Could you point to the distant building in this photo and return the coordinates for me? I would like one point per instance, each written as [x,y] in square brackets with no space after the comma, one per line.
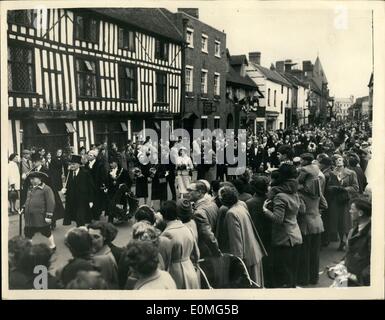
[360,109]
[242,94]
[298,113]
[320,104]
[205,72]
[275,89]
[341,107]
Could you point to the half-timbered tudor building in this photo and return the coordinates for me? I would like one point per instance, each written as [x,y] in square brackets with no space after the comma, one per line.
[83,76]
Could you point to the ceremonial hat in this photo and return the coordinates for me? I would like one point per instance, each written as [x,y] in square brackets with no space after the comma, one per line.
[75,159]
[35,157]
[37,174]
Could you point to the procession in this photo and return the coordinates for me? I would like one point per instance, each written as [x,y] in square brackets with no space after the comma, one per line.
[140,158]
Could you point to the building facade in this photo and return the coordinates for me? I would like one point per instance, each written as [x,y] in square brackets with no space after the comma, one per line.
[341,107]
[78,77]
[298,114]
[276,92]
[205,72]
[242,95]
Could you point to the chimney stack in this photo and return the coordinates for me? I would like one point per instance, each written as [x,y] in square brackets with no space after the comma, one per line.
[280,66]
[194,12]
[255,57]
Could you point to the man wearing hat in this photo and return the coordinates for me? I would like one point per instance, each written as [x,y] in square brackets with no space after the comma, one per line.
[36,166]
[39,207]
[80,194]
[99,176]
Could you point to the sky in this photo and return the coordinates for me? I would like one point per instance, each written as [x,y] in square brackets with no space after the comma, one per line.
[341,36]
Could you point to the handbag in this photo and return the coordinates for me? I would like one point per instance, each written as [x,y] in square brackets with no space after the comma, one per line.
[13,195]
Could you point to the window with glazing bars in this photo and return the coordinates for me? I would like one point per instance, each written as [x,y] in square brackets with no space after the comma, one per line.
[86,28]
[127,82]
[86,78]
[20,69]
[126,39]
[22,17]
[161,50]
[161,87]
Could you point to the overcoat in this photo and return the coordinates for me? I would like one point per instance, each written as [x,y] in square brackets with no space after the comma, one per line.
[347,189]
[80,192]
[239,237]
[181,268]
[40,200]
[357,259]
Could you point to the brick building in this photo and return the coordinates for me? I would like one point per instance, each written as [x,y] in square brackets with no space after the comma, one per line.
[205,72]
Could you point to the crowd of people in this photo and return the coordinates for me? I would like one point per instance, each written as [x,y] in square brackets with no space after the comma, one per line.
[300,189]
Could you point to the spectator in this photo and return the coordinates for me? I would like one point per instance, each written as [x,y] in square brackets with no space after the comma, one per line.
[357,259]
[88,280]
[239,236]
[310,222]
[262,223]
[13,181]
[181,269]
[30,257]
[101,236]
[79,242]
[205,216]
[142,257]
[286,234]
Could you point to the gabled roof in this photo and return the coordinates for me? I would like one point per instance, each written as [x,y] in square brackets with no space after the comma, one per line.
[294,80]
[318,71]
[153,20]
[272,75]
[234,77]
[238,60]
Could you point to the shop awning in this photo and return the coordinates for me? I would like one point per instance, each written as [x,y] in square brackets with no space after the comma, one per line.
[189,115]
[124,126]
[70,127]
[42,127]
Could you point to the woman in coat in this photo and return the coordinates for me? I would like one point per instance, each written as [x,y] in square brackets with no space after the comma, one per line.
[181,268]
[347,189]
[286,234]
[310,223]
[184,166]
[142,258]
[238,235]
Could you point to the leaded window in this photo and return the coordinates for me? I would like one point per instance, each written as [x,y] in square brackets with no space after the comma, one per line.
[127,82]
[20,69]
[86,78]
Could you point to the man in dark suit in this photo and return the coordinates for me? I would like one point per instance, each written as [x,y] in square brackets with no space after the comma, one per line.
[255,156]
[80,194]
[99,174]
